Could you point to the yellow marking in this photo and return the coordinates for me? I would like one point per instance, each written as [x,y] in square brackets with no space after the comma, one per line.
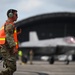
[2,28]
[15,31]
[16,43]
[2,38]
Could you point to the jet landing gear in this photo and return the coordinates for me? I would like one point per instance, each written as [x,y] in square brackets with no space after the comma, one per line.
[67,62]
[51,60]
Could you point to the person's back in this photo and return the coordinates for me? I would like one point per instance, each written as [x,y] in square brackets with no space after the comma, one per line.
[9,43]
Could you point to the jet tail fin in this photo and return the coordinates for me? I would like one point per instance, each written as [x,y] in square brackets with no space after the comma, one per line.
[33,36]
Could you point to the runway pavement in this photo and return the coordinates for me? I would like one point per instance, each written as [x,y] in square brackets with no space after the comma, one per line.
[44,68]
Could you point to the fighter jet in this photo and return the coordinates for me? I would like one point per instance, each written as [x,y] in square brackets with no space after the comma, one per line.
[50,47]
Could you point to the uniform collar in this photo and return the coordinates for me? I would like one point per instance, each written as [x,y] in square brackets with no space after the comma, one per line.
[10,20]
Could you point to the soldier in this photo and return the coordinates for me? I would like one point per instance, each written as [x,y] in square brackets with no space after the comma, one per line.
[9,43]
[31,57]
[20,57]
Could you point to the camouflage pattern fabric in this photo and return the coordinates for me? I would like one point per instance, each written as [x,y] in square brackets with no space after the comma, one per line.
[7,52]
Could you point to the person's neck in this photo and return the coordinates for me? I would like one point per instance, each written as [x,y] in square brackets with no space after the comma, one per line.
[10,20]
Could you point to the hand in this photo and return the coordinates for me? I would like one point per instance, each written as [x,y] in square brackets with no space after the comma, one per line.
[15,50]
[19,31]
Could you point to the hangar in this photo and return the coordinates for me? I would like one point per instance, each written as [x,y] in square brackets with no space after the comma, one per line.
[50,25]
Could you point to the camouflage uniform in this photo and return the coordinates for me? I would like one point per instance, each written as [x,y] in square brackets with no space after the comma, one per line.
[7,51]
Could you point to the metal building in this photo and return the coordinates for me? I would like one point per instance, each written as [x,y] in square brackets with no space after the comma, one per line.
[49,25]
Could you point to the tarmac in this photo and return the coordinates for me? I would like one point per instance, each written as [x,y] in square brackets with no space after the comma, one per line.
[44,68]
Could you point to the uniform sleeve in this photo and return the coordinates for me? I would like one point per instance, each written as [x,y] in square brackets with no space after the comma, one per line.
[9,30]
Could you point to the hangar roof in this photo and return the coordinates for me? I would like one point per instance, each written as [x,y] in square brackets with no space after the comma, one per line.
[68,16]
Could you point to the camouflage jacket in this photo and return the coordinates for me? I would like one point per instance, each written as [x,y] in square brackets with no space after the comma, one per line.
[9,30]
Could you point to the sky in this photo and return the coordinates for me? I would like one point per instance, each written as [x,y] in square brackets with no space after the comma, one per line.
[29,8]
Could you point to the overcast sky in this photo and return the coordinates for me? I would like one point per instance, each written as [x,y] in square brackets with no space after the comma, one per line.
[28,8]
